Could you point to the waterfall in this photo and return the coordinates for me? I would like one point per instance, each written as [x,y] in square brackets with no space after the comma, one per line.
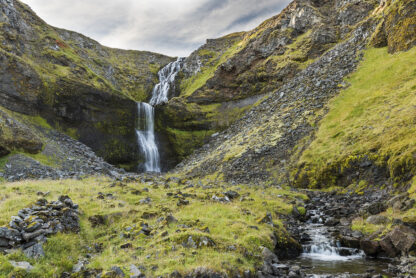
[146,137]
[167,77]
[146,112]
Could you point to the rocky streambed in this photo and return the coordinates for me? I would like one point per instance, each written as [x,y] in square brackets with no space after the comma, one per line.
[332,249]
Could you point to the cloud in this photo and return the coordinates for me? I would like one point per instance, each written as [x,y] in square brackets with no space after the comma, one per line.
[172,27]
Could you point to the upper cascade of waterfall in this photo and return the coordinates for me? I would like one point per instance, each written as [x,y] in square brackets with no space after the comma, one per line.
[167,77]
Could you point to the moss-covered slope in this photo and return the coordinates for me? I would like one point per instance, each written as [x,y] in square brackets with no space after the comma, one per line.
[227,76]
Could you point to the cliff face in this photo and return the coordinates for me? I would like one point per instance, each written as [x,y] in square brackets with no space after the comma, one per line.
[80,87]
[284,138]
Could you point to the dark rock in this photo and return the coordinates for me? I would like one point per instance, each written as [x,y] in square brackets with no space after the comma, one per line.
[117,271]
[370,247]
[388,248]
[376,208]
[403,239]
[98,220]
[232,194]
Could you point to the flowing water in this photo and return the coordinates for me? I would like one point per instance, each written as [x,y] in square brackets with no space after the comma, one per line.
[146,137]
[167,77]
[324,257]
[146,129]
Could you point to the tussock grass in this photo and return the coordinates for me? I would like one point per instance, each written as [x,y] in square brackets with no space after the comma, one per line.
[229,224]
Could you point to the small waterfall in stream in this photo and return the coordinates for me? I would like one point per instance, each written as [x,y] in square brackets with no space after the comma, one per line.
[146,129]
[321,247]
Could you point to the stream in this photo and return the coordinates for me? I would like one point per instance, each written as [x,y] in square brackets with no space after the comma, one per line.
[323,255]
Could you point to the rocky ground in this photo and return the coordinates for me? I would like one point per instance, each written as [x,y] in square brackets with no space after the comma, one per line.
[67,158]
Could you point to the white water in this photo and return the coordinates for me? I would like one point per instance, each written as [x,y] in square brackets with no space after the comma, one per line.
[146,137]
[321,247]
[146,128]
[167,77]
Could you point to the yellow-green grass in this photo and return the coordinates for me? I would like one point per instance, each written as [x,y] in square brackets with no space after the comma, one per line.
[228,224]
[375,116]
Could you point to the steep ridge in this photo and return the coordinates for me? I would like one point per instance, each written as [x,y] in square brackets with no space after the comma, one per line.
[227,76]
[80,87]
[265,145]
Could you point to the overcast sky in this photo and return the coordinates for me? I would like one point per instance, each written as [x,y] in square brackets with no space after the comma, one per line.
[172,27]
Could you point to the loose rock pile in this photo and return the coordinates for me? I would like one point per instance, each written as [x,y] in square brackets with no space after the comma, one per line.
[29,229]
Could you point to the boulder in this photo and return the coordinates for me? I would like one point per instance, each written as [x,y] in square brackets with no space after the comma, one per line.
[370,247]
[269,256]
[22,265]
[403,238]
[388,247]
[377,219]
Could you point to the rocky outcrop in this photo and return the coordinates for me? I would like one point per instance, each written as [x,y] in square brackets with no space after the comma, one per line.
[15,136]
[31,227]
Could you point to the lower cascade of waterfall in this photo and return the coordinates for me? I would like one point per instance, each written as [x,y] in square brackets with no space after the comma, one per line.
[146,137]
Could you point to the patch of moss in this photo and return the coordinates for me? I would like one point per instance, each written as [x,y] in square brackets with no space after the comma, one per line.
[184,142]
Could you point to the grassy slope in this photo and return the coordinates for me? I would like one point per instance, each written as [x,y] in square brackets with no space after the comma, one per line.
[228,225]
[375,116]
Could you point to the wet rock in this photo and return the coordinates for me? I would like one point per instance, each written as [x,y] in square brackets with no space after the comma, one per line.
[370,247]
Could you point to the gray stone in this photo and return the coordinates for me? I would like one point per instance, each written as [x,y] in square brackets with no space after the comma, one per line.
[135,272]
[35,251]
[22,265]
[269,256]
[377,219]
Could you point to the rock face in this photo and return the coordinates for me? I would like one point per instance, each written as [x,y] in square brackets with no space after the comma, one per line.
[30,228]
[80,87]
